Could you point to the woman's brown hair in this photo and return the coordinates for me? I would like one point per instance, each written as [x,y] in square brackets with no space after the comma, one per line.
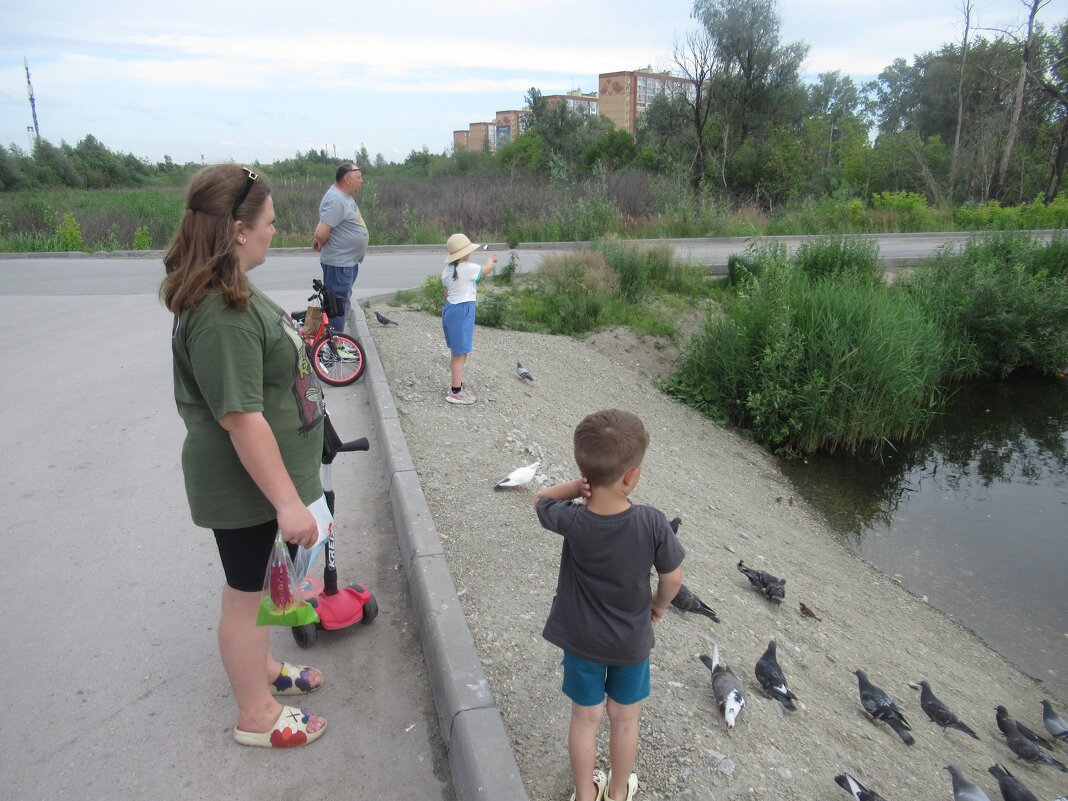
[201,258]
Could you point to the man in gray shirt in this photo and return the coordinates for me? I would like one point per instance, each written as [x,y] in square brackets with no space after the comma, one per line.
[341,236]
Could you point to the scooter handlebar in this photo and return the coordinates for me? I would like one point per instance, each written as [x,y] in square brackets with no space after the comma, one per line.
[360,444]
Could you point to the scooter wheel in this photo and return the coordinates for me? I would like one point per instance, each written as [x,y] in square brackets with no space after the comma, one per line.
[370,610]
[305,635]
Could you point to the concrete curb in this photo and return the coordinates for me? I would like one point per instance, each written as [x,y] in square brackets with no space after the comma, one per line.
[480,754]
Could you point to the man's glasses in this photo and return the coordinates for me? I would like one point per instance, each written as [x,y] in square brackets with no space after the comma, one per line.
[249,181]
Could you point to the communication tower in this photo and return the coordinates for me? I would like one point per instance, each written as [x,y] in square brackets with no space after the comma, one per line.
[33,103]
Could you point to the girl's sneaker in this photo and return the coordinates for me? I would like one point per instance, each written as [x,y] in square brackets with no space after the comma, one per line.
[467,393]
[460,397]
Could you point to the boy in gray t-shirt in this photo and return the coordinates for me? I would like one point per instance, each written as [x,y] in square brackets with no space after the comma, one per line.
[604,608]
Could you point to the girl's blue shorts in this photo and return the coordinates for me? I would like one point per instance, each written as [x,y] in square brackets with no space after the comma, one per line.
[458,322]
[587,682]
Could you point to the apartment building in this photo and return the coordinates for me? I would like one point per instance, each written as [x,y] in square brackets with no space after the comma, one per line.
[624,96]
[575,100]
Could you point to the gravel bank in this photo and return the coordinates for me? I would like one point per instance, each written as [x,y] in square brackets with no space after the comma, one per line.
[735,505]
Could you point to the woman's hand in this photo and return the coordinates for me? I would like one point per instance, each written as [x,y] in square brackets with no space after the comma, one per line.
[298,525]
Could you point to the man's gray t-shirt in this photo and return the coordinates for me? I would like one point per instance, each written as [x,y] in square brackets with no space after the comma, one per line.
[347,244]
[601,611]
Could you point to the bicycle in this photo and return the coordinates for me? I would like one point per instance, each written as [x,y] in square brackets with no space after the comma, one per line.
[337,358]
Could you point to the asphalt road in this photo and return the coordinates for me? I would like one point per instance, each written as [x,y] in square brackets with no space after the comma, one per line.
[385,269]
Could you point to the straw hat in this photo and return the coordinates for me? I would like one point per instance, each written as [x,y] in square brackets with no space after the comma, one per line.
[460,246]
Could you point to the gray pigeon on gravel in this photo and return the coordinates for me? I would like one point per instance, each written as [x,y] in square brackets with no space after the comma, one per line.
[939,712]
[725,688]
[1055,724]
[774,589]
[523,372]
[686,601]
[856,789]
[1027,750]
[1003,718]
[964,790]
[772,681]
[880,706]
[1012,789]
[383,319]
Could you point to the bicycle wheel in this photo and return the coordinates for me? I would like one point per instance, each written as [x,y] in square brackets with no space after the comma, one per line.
[338,360]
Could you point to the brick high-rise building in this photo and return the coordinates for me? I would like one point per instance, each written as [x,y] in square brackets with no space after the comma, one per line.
[624,96]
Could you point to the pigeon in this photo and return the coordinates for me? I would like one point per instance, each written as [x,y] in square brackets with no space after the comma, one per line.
[1055,724]
[686,601]
[519,477]
[1027,750]
[383,319]
[765,583]
[856,789]
[1003,718]
[675,523]
[523,372]
[1012,789]
[771,679]
[879,706]
[964,790]
[940,713]
[806,612]
[725,688]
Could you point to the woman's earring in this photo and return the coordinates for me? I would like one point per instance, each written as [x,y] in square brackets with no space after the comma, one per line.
[241,240]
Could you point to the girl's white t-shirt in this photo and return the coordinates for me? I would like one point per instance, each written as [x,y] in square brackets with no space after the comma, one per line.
[464,288]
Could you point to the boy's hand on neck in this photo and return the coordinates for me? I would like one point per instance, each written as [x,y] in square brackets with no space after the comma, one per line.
[612,499]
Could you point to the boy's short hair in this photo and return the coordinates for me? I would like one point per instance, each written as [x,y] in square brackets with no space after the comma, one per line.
[607,444]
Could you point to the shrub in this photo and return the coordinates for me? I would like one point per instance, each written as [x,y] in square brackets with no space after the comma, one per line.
[490,309]
[850,256]
[141,239]
[1000,305]
[431,296]
[816,365]
[69,234]
[508,271]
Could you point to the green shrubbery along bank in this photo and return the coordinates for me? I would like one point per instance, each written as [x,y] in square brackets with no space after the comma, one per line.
[812,354]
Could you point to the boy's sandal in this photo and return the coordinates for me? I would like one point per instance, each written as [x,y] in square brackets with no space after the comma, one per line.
[632,787]
[289,731]
[601,781]
[295,680]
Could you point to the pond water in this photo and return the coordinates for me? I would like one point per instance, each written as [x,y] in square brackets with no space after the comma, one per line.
[974,517]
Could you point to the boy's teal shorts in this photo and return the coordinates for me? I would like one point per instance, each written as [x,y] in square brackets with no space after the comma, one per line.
[587,682]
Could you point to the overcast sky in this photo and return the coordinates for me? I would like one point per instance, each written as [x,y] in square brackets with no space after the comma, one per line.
[246,81]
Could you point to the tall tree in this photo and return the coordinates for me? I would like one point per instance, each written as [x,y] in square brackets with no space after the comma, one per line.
[1028,51]
[695,56]
[760,71]
[1051,74]
[832,99]
[966,9]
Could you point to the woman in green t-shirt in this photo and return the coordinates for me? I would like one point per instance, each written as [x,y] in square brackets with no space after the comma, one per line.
[253,413]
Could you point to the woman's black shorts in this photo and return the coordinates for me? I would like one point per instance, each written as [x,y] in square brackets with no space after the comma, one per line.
[245,553]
